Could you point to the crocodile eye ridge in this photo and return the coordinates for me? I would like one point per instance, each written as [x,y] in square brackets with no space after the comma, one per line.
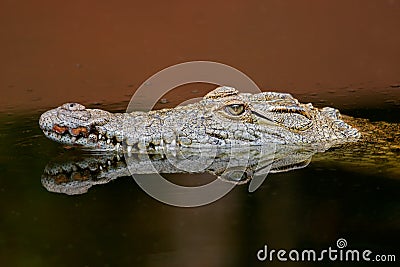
[235,109]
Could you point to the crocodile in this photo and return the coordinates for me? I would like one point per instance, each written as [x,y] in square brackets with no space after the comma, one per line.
[75,173]
[224,117]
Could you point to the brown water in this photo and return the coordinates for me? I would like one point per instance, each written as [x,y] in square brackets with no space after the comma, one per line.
[343,54]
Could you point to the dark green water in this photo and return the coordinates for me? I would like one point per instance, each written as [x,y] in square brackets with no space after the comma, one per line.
[118,224]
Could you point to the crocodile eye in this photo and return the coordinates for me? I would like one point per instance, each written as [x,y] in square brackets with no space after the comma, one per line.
[235,109]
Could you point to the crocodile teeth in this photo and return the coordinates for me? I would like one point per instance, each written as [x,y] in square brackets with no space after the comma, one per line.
[173,152]
[93,138]
[119,137]
[100,136]
[173,143]
[129,149]
[141,146]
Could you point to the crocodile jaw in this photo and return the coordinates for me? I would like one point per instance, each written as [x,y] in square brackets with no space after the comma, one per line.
[73,124]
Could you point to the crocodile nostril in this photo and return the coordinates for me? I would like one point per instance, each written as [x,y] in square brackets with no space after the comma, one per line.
[73,106]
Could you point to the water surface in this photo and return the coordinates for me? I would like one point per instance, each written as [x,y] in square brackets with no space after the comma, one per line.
[117,223]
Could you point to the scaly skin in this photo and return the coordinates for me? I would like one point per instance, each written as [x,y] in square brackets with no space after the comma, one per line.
[75,173]
[224,117]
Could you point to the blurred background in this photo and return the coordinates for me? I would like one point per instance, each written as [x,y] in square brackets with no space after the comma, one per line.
[343,52]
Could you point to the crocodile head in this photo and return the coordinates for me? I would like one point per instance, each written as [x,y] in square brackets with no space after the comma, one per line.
[72,124]
[223,117]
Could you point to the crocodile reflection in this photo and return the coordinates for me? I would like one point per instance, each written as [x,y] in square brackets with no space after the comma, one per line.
[75,172]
